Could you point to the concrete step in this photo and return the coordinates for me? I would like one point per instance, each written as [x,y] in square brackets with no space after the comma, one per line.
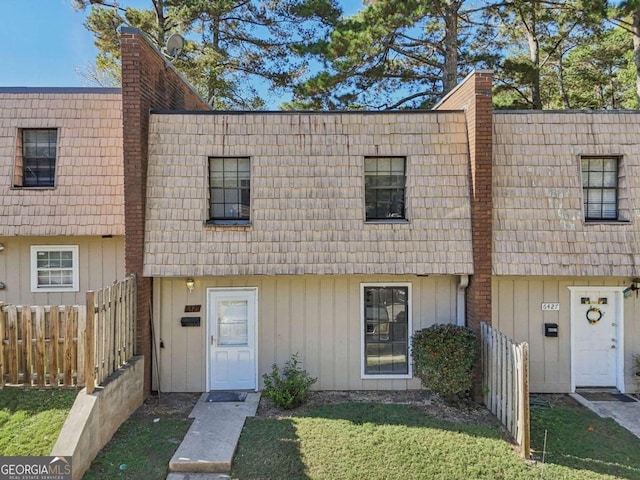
[211,441]
[197,476]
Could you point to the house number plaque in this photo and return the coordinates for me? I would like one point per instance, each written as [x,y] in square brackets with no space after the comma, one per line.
[550,306]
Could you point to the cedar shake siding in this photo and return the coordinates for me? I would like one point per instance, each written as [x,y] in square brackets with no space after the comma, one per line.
[87,197]
[539,219]
[307,211]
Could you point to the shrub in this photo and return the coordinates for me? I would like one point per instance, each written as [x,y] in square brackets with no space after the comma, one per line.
[289,389]
[443,358]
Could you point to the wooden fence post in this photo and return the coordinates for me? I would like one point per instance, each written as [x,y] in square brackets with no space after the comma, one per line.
[14,357]
[3,365]
[27,345]
[526,434]
[40,346]
[89,347]
[54,355]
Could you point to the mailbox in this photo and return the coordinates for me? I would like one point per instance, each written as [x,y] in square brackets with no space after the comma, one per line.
[190,321]
[550,329]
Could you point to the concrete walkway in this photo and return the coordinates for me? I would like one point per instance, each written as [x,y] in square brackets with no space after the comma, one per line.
[626,414]
[207,449]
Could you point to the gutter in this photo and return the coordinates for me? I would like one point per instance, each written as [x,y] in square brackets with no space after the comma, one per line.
[461,306]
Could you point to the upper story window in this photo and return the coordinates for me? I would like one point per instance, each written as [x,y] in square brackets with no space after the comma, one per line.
[384,183]
[36,157]
[600,188]
[54,268]
[229,190]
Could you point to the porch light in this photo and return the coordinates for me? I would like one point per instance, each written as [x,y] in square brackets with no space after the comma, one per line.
[190,284]
[633,288]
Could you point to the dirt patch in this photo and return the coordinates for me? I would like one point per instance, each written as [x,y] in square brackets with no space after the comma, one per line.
[550,400]
[429,403]
[177,405]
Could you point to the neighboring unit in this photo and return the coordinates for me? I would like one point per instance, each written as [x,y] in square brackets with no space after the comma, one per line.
[567,244]
[62,208]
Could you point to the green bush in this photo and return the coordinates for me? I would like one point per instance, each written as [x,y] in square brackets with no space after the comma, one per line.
[443,358]
[289,389]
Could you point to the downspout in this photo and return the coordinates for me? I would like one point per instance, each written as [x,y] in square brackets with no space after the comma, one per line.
[461,307]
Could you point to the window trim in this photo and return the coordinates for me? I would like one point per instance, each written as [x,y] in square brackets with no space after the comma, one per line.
[18,163]
[35,249]
[405,216]
[228,221]
[386,376]
[618,187]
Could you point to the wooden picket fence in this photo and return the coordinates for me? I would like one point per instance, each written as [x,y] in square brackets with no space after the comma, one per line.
[39,345]
[111,337]
[62,346]
[505,383]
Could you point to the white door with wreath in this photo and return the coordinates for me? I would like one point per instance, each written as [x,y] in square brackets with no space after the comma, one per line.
[596,326]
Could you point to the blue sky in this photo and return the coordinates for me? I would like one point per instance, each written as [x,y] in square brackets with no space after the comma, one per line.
[43,42]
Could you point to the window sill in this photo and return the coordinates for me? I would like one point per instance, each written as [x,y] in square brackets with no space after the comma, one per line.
[388,376]
[56,289]
[401,221]
[18,187]
[227,223]
[607,222]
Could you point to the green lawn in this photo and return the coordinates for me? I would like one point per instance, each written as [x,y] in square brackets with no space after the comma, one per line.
[378,441]
[141,448]
[31,420]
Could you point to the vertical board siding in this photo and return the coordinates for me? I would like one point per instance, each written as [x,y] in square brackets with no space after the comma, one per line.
[317,317]
[101,262]
[517,308]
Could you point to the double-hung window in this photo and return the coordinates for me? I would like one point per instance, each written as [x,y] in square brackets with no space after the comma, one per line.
[36,157]
[229,190]
[54,268]
[386,323]
[384,183]
[600,188]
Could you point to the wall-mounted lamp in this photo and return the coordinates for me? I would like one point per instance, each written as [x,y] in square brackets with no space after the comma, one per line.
[1,247]
[633,288]
[190,284]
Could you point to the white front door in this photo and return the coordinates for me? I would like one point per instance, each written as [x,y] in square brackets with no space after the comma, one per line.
[596,343]
[232,338]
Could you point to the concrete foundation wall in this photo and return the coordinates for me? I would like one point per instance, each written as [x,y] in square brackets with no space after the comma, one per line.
[95,418]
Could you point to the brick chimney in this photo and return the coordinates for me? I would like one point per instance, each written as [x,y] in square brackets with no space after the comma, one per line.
[148,82]
[473,95]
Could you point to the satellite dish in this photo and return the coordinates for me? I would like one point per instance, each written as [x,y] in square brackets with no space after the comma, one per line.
[174,46]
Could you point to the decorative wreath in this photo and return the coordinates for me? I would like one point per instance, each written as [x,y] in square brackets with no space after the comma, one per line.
[594,315]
